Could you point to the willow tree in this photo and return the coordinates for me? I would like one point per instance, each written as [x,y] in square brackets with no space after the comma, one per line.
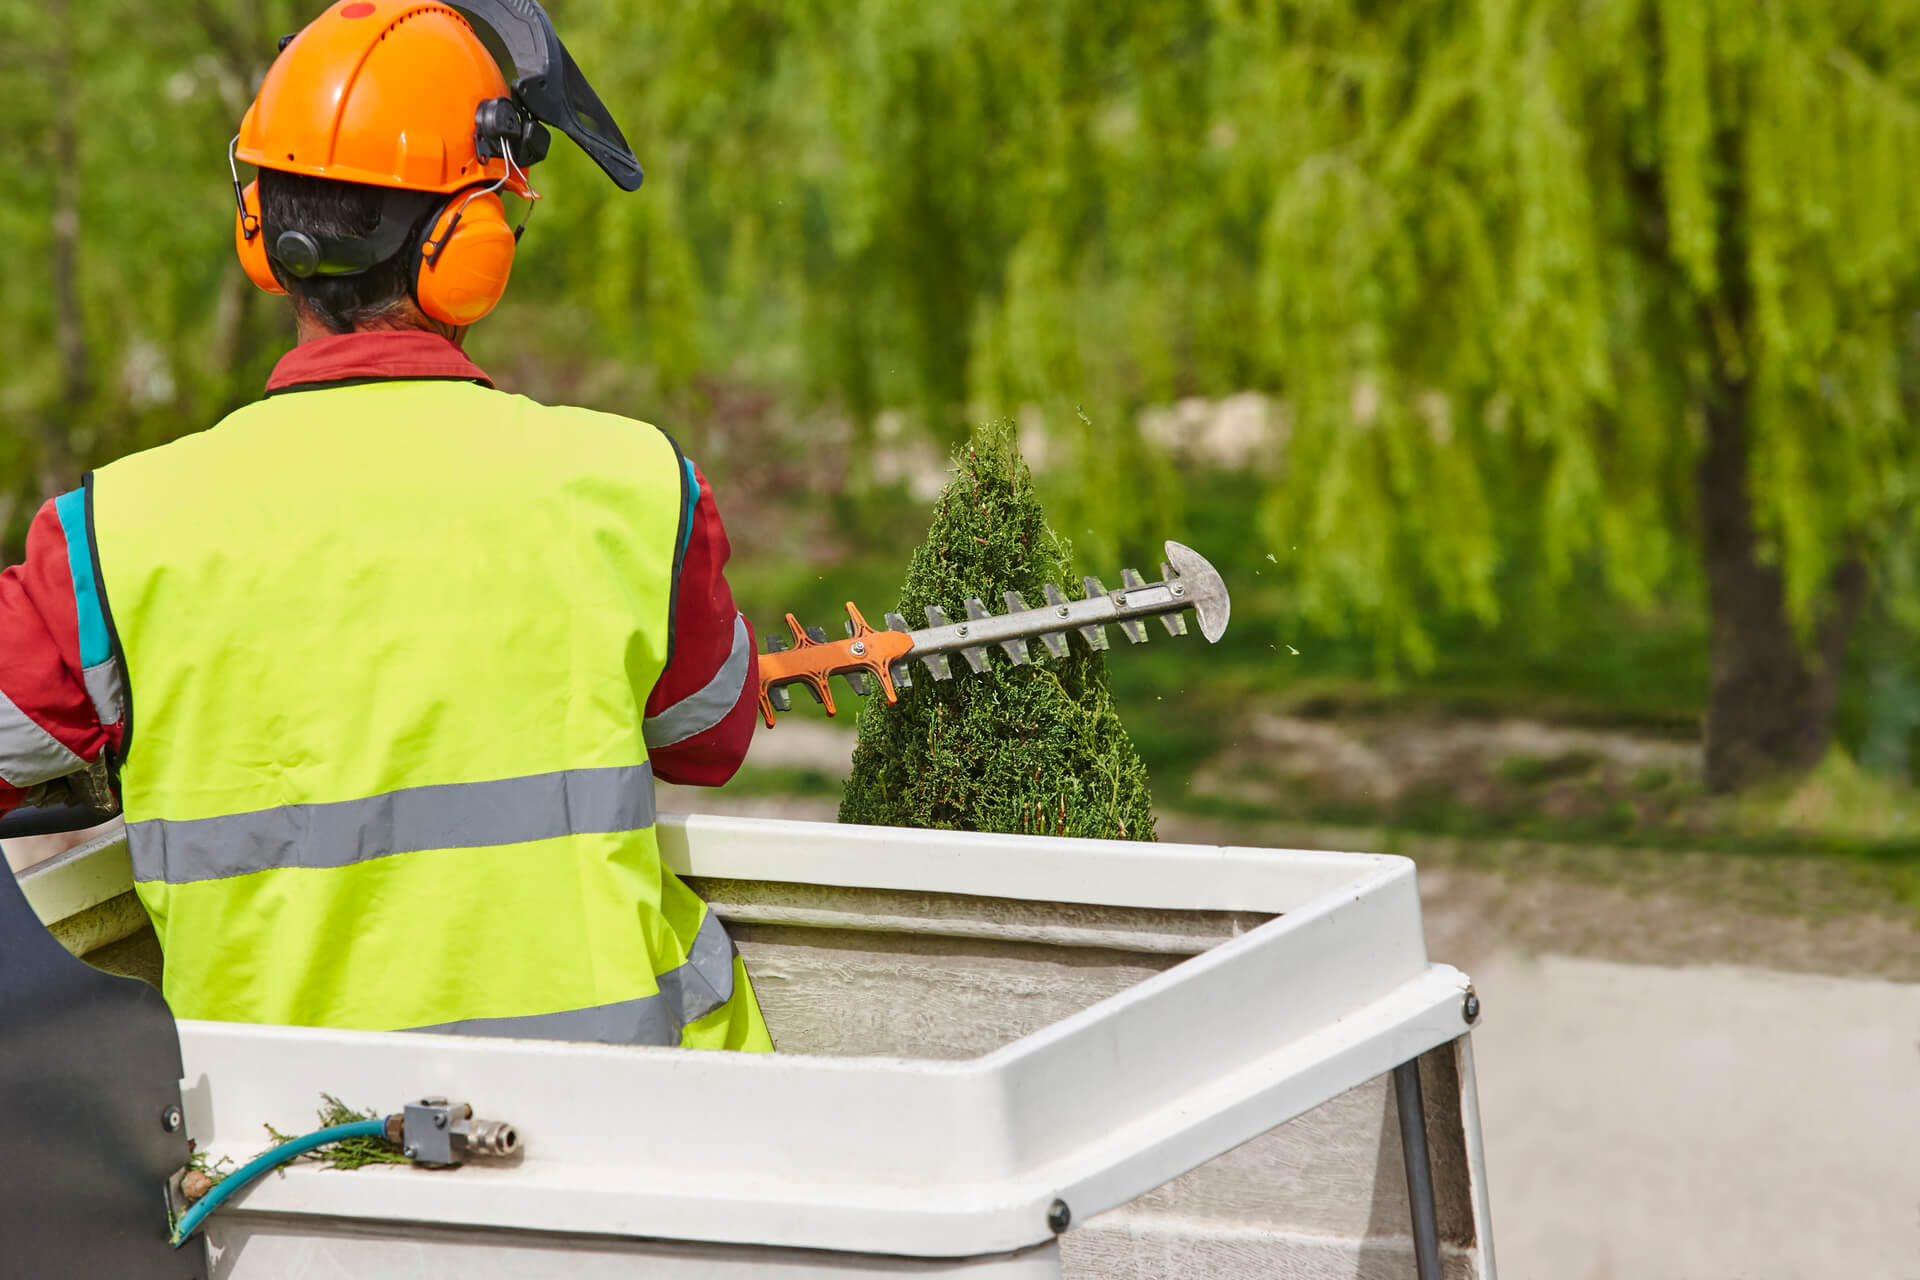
[1649,264]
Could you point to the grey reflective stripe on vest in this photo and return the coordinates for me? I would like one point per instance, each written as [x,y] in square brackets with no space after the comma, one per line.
[687,994]
[700,711]
[29,755]
[108,689]
[459,815]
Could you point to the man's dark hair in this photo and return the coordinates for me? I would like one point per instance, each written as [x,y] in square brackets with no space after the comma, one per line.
[340,210]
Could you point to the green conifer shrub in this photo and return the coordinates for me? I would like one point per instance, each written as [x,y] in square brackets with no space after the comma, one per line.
[1036,749]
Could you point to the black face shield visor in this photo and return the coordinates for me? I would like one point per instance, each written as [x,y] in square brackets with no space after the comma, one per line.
[547,83]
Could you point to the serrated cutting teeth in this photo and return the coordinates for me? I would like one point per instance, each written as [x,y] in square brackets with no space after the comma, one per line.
[902,672]
[1176,623]
[936,663]
[1016,650]
[1055,641]
[1094,634]
[1134,631]
[976,656]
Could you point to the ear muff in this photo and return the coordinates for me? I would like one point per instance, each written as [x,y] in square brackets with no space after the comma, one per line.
[250,240]
[465,259]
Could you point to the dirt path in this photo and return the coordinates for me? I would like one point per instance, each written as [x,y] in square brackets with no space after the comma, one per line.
[1802,914]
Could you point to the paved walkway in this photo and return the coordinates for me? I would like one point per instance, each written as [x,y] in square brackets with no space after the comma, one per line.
[1653,1123]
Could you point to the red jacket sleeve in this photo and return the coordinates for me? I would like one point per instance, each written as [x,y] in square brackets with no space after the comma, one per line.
[48,725]
[700,713]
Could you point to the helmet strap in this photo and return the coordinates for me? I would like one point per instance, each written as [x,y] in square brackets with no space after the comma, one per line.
[249,224]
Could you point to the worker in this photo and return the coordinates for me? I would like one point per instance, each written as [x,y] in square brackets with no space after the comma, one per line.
[382,667]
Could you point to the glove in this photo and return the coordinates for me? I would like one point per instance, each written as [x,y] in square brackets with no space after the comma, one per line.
[91,788]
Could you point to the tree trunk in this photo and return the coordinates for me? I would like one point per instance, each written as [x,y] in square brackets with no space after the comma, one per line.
[1770,703]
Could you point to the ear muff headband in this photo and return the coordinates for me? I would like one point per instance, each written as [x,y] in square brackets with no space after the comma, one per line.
[303,255]
[250,239]
[465,258]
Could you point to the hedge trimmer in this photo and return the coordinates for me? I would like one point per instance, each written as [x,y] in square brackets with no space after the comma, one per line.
[1187,581]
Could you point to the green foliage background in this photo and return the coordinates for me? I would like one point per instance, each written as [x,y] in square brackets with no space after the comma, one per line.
[1490,258]
[1038,748]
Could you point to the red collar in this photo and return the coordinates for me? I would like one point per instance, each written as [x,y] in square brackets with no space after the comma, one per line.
[374,356]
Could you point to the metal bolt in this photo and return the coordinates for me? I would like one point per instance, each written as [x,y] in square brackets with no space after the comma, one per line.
[170,1120]
[859,647]
[411,1153]
[1470,1007]
[1177,589]
[1062,611]
[961,630]
[1059,1217]
[439,1119]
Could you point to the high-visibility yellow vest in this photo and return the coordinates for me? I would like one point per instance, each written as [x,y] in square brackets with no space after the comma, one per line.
[388,649]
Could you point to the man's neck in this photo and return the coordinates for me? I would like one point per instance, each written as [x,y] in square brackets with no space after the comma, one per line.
[308,328]
[373,357]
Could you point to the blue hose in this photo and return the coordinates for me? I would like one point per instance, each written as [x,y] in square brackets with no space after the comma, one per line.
[190,1220]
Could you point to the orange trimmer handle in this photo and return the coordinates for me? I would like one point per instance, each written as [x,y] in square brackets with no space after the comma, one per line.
[811,661]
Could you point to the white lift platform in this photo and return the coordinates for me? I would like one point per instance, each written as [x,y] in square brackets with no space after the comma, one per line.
[1001,1056]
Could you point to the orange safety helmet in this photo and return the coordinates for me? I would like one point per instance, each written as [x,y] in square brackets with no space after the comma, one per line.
[382,92]
[400,94]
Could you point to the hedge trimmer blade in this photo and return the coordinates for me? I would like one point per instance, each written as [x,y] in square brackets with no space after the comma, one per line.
[1187,581]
